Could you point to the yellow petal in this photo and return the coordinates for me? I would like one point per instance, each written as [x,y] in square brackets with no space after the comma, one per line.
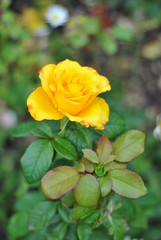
[66,65]
[66,105]
[84,100]
[46,75]
[96,115]
[41,107]
[104,84]
[96,83]
[64,71]
[99,84]
[104,113]
[90,70]
[90,116]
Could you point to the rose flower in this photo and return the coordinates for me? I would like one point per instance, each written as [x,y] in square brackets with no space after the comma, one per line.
[70,90]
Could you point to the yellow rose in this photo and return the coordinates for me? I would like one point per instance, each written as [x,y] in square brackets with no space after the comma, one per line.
[71,90]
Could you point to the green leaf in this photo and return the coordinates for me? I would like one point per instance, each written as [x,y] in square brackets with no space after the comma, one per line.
[41,215]
[114,127]
[129,146]
[127,183]
[17,226]
[84,133]
[65,148]
[84,230]
[80,212]
[98,235]
[114,165]
[71,233]
[59,181]
[40,235]
[78,139]
[116,226]
[93,217]
[90,155]
[128,209]
[59,231]
[122,33]
[89,166]
[56,219]
[78,39]
[40,129]
[91,24]
[37,160]
[87,191]
[55,125]
[105,185]
[108,44]
[108,159]
[65,214]
[80,167]
[27,201]
[104,148]
[120,227]
[68,199]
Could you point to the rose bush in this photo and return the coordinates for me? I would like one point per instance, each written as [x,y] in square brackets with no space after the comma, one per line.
[70,90]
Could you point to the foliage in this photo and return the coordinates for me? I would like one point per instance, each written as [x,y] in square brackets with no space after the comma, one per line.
[91,180]
[87,31]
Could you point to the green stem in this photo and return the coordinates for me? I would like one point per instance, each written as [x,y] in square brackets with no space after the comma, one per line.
[63,124]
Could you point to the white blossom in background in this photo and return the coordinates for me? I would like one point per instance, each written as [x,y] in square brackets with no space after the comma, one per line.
[127,238]
[56,15]
[157,130]
[8,119]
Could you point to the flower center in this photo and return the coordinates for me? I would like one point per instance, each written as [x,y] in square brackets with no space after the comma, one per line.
[74,86]
[55,17]
[75,90]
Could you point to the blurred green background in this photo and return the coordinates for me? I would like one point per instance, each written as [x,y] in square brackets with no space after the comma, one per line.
[121,39]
